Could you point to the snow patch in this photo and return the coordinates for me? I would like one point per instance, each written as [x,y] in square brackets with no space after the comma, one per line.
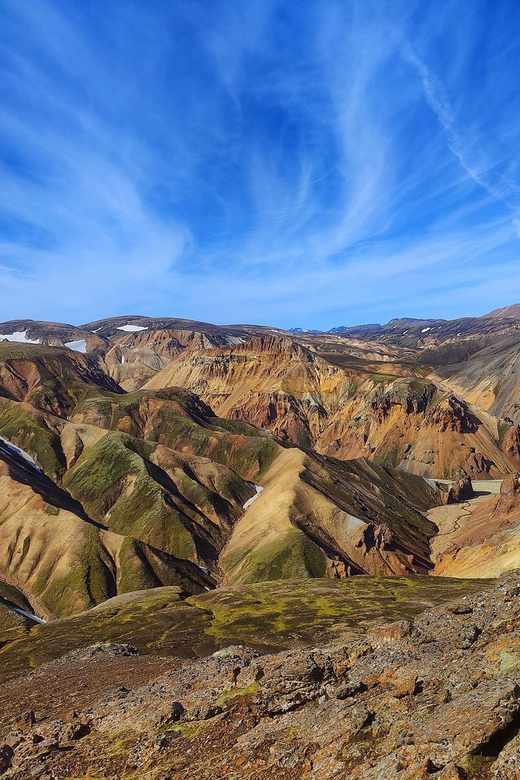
[312,401]
[253,498]
[19,336]
[77,346]
[28,615]
[235,340]
[425,330]
[21,453]
[353,523]
[203,568]
[131,328]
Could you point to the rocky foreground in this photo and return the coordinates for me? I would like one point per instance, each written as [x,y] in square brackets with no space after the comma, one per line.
[435,698]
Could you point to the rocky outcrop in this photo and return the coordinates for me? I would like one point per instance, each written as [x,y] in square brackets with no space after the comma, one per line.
[349,394]
[290,419]
[460,491]
[414,397]
[489,379]
[509,500]
[511,444]
[452,415]
[345,411]
[478,466]
[480,536]
[270,381]
[146,488]
[438,697]
[379,537]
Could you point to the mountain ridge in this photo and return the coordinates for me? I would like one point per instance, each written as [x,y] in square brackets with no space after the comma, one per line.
[172,489]
[190,438]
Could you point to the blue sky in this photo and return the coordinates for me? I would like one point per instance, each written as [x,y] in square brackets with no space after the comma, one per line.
[311,163]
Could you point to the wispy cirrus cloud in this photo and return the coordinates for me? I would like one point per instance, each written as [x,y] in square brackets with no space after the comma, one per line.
[461,142]
[316,164]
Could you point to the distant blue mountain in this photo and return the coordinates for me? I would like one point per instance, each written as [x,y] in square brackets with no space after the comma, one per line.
[304,330]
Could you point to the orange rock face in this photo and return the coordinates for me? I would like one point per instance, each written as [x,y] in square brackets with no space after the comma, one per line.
[345,411]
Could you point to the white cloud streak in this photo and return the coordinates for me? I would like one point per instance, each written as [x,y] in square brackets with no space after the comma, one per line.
[294,166]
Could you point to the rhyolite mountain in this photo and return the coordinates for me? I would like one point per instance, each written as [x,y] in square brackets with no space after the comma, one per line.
[407,395]
[186,509]
[110,492]
[171,452]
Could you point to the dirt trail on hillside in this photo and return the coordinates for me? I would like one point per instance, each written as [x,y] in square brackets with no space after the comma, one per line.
[451,520]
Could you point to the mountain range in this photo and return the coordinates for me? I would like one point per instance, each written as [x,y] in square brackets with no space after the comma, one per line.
[236,482]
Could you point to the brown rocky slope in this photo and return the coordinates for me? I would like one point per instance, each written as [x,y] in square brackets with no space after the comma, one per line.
[345,411]
[341,393]
[481,537]
[438,697]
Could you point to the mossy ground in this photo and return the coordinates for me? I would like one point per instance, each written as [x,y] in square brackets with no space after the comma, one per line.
[155,621]
[268,615]
[180,421]
[299,612]
[373,491]
[379,379]
[9,618]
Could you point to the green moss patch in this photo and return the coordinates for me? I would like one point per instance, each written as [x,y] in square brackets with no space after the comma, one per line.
[29,430]
[294,556]
[317,611]
[268,615]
